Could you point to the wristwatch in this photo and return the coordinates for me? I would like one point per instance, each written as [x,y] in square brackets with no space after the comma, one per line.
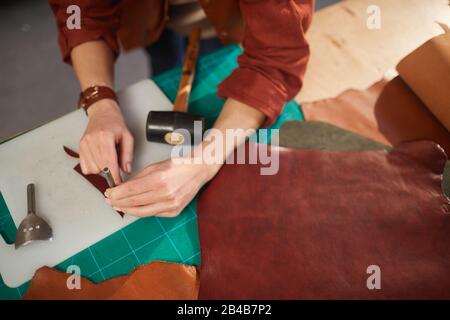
[93,94]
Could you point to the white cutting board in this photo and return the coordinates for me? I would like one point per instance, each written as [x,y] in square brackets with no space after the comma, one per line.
[76,211]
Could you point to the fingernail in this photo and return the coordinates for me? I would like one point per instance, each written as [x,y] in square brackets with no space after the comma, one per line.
[128,167]
[117,209]
[107,192]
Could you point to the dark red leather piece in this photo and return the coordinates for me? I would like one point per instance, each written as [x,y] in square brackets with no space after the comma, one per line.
[312,230]
[95,179]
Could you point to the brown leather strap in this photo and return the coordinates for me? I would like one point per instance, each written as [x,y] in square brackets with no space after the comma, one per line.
[189,66]
[93,94]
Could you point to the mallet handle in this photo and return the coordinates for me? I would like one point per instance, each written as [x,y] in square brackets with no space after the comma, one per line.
[187,76]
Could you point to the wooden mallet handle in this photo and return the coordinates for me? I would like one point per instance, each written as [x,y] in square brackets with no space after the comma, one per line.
[187,76]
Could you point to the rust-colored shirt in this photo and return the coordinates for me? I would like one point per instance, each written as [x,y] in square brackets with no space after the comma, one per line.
[272,32]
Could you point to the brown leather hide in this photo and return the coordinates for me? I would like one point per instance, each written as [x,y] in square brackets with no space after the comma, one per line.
[313,230]
[388,112]
[156,280]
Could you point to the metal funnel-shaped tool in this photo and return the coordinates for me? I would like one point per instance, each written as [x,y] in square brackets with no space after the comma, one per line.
[33,227]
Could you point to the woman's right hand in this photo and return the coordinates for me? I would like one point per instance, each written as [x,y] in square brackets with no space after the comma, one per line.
[105,136]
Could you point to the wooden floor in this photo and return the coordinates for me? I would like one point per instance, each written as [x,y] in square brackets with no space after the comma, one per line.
[346,54]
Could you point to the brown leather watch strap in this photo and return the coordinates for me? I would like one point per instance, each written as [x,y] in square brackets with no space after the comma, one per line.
[94,94]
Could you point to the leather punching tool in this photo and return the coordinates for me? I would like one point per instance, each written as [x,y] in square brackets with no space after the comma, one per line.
[164,126]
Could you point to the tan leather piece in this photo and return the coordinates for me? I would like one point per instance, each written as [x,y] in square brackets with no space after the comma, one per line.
[153,281]
[51,284]
[426,70]
[322,220]
[387,112]
[162,281]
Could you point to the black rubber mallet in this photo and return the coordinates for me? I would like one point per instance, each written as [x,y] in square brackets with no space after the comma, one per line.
[162,125]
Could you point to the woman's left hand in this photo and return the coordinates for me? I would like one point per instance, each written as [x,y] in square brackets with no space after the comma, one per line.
[162,189]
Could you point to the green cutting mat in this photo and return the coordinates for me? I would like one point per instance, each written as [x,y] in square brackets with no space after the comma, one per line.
[149,239]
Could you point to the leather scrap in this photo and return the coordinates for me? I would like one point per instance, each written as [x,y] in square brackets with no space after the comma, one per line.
[324,136]
[388,112]
[95,179]
[153,281]
[320,135]
[161,281]
[51,284]
[322,221]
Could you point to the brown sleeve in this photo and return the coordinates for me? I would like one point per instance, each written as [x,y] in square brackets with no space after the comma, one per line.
[99,20]
[275,54]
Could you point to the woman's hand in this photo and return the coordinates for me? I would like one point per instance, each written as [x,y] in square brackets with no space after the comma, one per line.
[106,130]
[162,189]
